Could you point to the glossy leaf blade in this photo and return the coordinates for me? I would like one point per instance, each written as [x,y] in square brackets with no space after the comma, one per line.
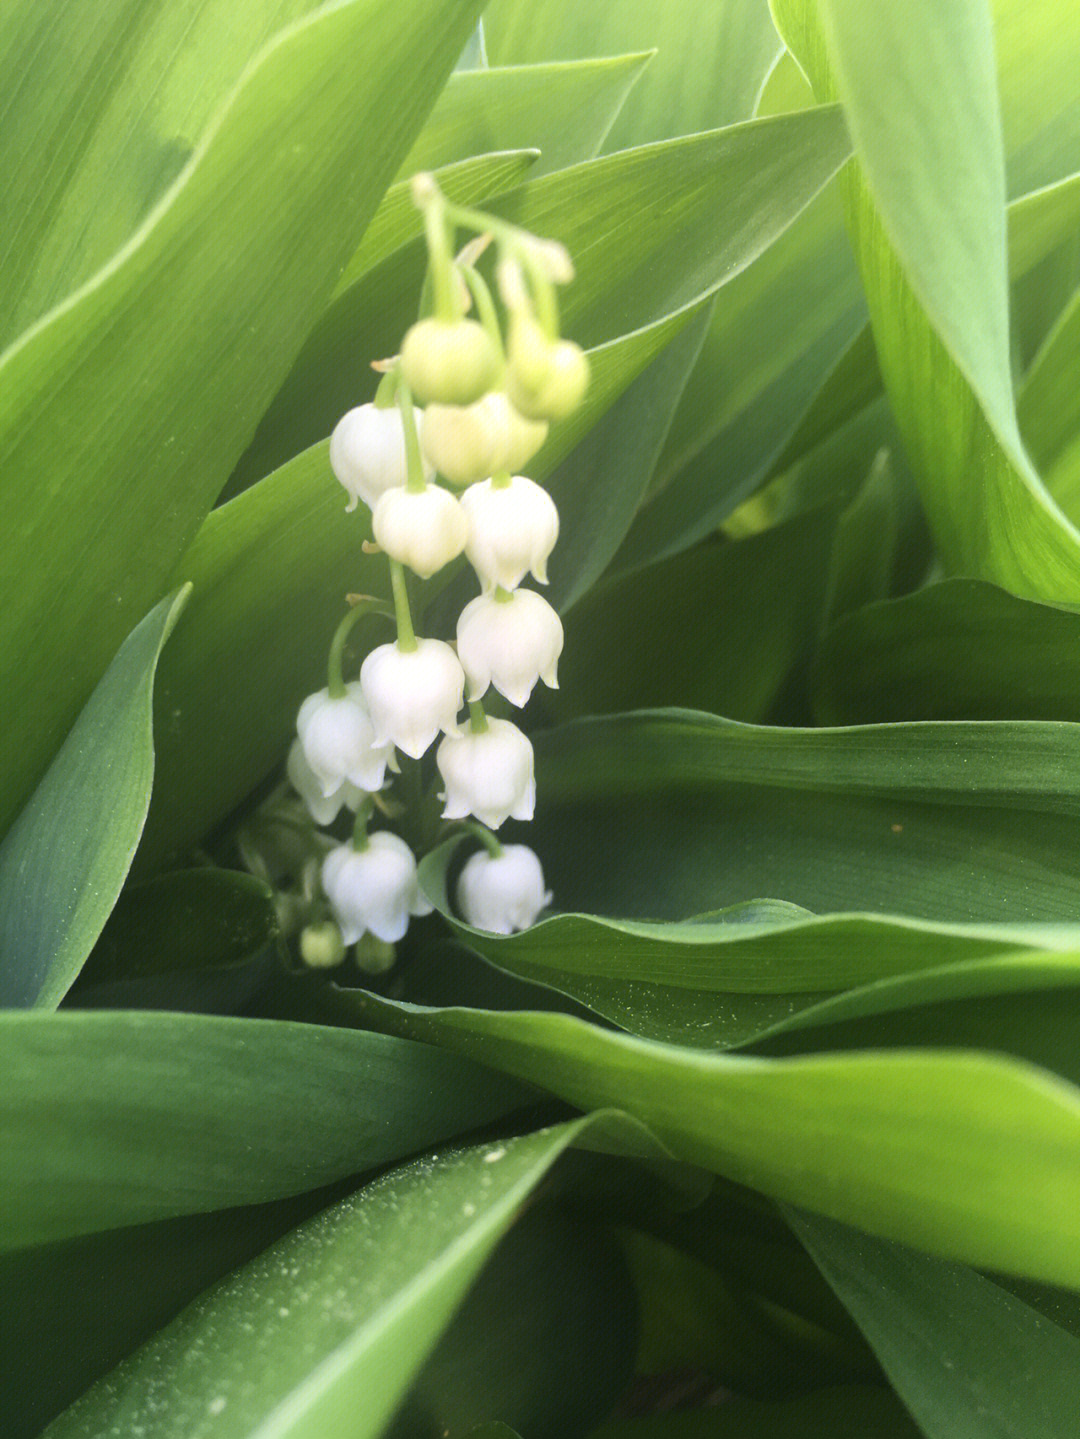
[148,381]
[111,1119]
[64,861]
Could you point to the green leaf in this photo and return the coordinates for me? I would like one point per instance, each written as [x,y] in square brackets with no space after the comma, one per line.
[321,1335]
[710,63]
[851,1412]
[861,1137]
[189,919]
[118,108]
[1050,411]
[926,211]
[772,963]
[668,813]
[970,1360]
[63,862]
[148,380]
[961,649]
[564,109]
[112,1119]
[276,561]
[773,586]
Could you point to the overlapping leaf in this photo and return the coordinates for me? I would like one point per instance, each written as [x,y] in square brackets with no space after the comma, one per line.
[125,408]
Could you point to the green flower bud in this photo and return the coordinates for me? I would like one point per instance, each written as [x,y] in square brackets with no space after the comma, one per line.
[546,379]
[321,946]
[373,955]
[449,362]
[472,442]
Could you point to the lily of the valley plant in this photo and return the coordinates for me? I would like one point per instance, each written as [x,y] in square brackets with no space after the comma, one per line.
[540,659]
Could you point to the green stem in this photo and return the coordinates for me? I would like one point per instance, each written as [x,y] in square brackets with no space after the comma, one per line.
[386,394]
[363,815]
[485,308]
[501,481]
[441,251]
[414,476]
[503,597]
[335,682]
[482,833]
[406,637]
[547,306]
[477,717]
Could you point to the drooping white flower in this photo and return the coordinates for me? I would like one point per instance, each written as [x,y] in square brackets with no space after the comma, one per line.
[375,889]
[472,442]
[509,643]
[424,529]
[413,694]
[512,529]
[323,808]
[339,741]
[502,893]
[488,773]
[367,452]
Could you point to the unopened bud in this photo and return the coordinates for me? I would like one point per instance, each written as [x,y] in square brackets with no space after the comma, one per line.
[321,946]
[449,362]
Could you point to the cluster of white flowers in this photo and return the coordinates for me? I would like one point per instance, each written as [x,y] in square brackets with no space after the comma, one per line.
[457,408]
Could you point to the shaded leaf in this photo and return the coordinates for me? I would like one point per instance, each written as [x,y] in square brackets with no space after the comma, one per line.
[64,861]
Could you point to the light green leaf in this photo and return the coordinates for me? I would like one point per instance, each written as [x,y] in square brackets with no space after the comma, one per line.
[668,813]
[1050,410]
[926,210]
[116,107]
[564,109]
[969,1359]
[321,1335]
[111,1119]
[958,650]
[148,381]
[861,1137]
[63,862]
[709,66]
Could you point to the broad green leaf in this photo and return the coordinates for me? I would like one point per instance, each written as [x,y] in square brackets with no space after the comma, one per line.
[969,1359]
[149,379]
[709,66]
[73,1310]
[64,861]
[961,649]
[761,968]
[866,543]
[189,919]
[851,1412]
[118,108]
[861,1137]
[1050,411]
[564,109]
[321,1335]
[664,814]
[276,561]
[111,1119]
[773,588]
[926,210]
[757,177]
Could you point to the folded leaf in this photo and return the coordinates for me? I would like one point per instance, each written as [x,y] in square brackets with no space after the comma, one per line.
[64,861]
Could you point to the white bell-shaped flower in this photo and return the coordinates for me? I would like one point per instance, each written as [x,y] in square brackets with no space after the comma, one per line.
[509,642]
[424,529]
[488,773]
[413,694]
[373,890]
[339,741]
[502,893]
[323,808]
[472,442]
[367,452]
[512,529]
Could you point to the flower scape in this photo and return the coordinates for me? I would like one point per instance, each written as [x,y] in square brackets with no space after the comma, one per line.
[437,457]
